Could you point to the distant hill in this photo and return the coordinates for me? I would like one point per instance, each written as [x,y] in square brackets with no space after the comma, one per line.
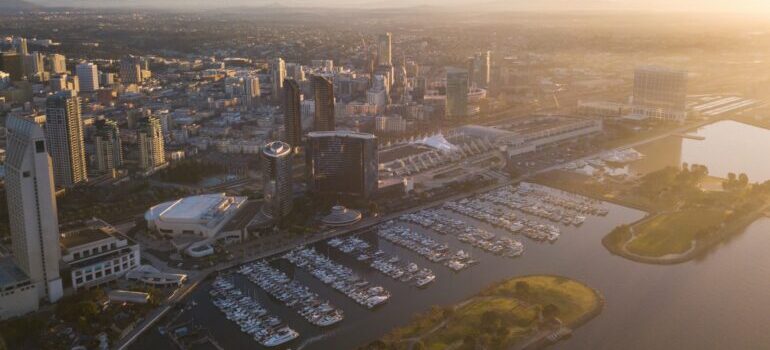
[16,5]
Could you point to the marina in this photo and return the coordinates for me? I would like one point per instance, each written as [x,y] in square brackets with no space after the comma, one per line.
[390,266]
[477,237]
[292,294]
[249,315]
[341,278]
[427,247]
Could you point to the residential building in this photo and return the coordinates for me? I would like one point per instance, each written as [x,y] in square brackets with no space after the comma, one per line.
[64,133]
[107,145]
[88,75]
[149,135]
[131,70]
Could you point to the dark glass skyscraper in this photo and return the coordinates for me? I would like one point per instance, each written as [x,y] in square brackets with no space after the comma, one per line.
[342,163]
[292,116]
[324,104]
[456,93]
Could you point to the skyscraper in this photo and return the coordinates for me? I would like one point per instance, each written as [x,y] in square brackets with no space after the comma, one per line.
[342,163]
[277,179]
[88,75]
[64,134]
[131,70]
[34,65]
[660,92]
[279,74]
[456,92]
[481,69]
[324,104]
[292,113]
[107,145]
[32,207]
[22,47]
[57,63]
[384,50]
[251,90]
[149,135]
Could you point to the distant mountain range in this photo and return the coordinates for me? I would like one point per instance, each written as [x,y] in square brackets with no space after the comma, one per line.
[16,5]
[493,5]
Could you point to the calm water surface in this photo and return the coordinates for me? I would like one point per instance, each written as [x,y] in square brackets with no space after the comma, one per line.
[729,146]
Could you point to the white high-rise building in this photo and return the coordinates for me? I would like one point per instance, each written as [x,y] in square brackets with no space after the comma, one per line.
[32,206]
[88,75]
[64,134]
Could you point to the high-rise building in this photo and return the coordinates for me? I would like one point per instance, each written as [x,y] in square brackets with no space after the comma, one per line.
[131,70]
[660,92]
[323,90]
[57,64]
[251,90]
[88,75]
[22,47]
[32,207]
[295,71]
[279,74]
[292,113]
[64,134]
[34,65]
[479,69]
[342,163]
[456,92]
[277,179]
[151,148]
[107,145]
[13,64]
[384,49]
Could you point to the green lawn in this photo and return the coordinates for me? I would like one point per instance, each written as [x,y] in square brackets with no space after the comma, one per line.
[673,233]
[499,316]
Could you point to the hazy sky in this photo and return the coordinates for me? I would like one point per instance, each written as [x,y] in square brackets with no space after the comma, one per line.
[752,6]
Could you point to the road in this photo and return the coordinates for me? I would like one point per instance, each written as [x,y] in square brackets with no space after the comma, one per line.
[196,278]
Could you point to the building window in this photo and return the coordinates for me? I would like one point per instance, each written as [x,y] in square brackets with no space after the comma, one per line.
[39,146]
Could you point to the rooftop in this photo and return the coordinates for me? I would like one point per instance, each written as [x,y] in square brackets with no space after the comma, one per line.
[341,133]
[277,149]
[192,209]
[80,237]
[10,273]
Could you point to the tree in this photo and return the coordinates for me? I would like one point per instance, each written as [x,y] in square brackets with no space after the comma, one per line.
[550,311]
[743,179]
[522,288]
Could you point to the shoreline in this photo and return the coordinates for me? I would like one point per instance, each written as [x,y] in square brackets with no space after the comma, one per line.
[538,339]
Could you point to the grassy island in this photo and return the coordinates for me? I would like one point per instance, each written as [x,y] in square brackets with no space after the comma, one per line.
[689,211]
[518,312]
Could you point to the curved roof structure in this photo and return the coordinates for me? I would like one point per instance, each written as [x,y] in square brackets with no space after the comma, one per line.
[341,216]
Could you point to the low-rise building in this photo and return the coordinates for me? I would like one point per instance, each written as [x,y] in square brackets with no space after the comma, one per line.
[94,253]
[18,295]
[200,216]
